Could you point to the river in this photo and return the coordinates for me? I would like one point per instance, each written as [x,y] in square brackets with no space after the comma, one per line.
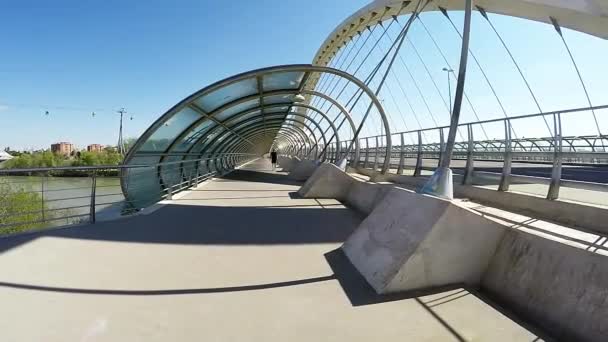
[70,196]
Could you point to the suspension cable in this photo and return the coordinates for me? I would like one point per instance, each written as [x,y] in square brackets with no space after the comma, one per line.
[485,76]
[580,77]
[447,63]
[482,11]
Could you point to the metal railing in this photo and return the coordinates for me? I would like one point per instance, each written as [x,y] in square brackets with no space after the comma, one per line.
[491,161]
[38,198]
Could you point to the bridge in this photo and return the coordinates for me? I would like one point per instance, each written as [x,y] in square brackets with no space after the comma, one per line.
[464,226]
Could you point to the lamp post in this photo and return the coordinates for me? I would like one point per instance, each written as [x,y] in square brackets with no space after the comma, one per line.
[448,71]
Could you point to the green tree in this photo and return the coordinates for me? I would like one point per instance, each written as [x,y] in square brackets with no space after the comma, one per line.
[37,159]
[88,159]
[21,210]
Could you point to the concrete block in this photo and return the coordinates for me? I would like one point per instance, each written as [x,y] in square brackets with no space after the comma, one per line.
[328,181]
[563,289]
[303,170]
[413,241]
[364,196]
[287,163]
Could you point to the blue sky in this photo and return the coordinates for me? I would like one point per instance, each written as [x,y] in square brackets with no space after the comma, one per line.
[75,57]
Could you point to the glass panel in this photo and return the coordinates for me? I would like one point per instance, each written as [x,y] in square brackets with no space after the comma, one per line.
[223,115]
[243,124]
[280,116]
[171,173]
[220,141]
[282,80]
[190,167]
[220,97]
[141,184]
[194,135]
[164,136]
[143,160]
[286,98]
[275,109]
[245,117]
[206,139]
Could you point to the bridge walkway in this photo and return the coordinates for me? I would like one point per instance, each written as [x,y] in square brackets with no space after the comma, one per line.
[240,258]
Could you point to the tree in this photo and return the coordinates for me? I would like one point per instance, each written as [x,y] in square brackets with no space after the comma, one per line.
[22,210]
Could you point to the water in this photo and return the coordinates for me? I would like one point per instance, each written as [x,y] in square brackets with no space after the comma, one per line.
[71,196]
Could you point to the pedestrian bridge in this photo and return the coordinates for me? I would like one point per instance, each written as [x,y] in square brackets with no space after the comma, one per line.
[246,256]
[392,215]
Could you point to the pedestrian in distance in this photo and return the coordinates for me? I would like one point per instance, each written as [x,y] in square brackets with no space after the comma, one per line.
[273,159]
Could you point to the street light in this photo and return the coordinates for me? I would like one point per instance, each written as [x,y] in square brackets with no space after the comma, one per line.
[448,71]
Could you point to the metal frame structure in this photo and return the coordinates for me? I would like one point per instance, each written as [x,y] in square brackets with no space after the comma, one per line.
[577,15]
[247,114]
[588,17]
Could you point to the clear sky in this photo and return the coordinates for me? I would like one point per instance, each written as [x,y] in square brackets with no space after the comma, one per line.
[73,58]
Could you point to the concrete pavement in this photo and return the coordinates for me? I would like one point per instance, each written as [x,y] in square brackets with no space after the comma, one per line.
[240,258]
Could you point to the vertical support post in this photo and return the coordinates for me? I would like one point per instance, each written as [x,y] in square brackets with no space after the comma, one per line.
[191,178]
[470,166]
[92,217]
[418,168]
[169,191]
[556,174]
[401,155]
[441,147]
[505,179]
[376,152]
[42,197]
[441,183]
[366,163]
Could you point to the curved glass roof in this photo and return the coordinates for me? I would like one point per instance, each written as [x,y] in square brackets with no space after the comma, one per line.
[244,115]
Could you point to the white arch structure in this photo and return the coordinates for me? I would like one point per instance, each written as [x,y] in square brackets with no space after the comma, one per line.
[588,16]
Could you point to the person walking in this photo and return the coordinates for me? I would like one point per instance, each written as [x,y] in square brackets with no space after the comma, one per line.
[273,159]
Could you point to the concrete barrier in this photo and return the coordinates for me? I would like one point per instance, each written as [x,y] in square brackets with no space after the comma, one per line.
[287,163]
[586,216]
[562,288]
[412,241]
[328,181]
[408,240]
[303,169]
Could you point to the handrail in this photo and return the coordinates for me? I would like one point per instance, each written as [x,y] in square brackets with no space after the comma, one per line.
[126,193]
[106,167]
[525,116]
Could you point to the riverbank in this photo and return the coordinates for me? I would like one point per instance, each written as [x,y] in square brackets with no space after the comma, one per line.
[65,200]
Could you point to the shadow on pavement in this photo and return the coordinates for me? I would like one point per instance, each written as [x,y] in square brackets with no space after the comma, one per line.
[198,224]
[166,292]
[360,293]
[260,176]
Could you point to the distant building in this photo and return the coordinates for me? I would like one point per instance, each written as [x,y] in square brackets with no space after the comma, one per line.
[64,148]
[95,148]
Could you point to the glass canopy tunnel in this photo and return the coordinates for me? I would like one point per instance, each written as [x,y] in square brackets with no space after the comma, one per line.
[242,118]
